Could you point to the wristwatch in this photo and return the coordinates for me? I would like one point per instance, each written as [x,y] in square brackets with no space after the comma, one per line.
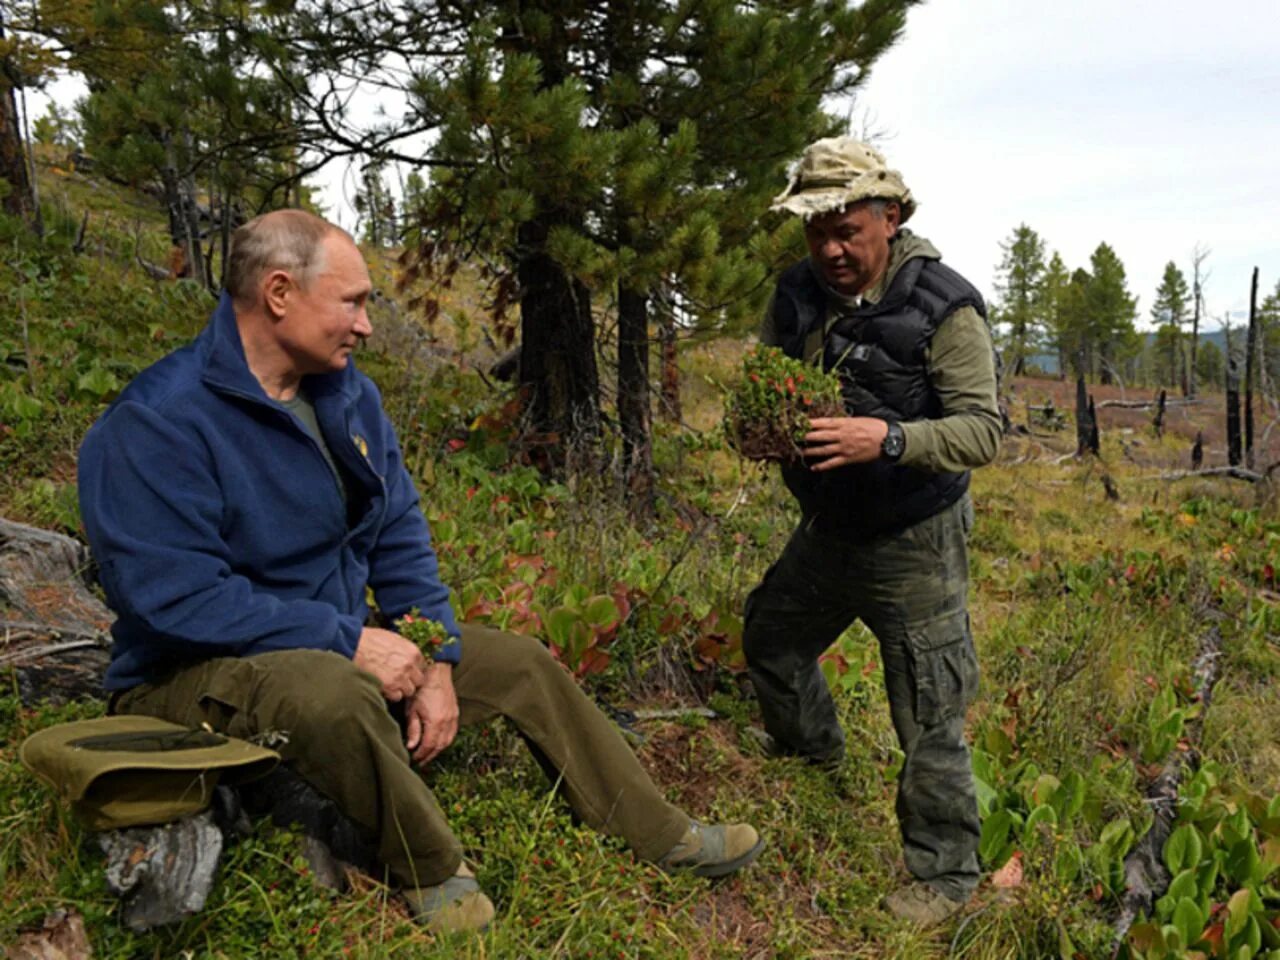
[894,443]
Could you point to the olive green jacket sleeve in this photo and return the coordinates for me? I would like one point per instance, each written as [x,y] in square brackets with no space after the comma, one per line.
[961,368]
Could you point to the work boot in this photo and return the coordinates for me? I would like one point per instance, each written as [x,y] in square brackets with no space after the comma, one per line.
[713,851]
[921,905]
[773,750]
[457,904]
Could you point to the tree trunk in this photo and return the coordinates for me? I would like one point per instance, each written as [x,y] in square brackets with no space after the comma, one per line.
[186,241]
[558,376]
[1095,441]
[1251,349]
[1083,430]
[1159,419]
[670,404]
[1195,341]
[633,397]
[1233,413]
[13,156]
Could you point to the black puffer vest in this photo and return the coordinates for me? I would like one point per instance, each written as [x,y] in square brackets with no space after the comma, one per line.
[879,351]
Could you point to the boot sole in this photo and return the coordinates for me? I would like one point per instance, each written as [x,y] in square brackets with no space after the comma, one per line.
[713,870]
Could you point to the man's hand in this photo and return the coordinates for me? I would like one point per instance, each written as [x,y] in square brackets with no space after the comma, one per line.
[432,714]
[840,441]
[397,663]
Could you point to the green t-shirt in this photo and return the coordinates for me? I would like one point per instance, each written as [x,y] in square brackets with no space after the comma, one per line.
[301,407]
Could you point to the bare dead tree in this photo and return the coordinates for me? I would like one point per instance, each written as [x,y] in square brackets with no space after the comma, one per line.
[1199,275]
[1249,364]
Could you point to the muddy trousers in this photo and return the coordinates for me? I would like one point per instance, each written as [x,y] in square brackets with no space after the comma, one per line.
[345,742]
[910,589]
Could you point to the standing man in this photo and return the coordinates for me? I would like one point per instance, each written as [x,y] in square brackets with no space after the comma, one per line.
[885,503]
[242,496]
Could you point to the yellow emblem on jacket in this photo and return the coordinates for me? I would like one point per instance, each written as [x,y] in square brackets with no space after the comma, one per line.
[361,445]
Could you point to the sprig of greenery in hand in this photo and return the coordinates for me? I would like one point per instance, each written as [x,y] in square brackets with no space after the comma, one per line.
[427,634]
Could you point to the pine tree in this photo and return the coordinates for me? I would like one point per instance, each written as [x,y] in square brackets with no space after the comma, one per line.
[630,148]
[1054,286]
[1021,298]
[1110,312]
[1211,366]
[1170,311]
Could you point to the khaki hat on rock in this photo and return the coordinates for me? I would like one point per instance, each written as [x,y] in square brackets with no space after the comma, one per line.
[838,171]
[125,771]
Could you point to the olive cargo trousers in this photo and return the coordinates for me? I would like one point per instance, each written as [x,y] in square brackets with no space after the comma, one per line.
[346,743]
[911,590]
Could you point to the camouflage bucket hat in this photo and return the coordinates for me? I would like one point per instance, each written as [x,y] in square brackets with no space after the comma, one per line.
[833,173]
[125,771]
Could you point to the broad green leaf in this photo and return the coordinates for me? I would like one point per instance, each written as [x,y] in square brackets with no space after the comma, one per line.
[994,838]
[1182,850]
[600,611]
[1243,863]
[1237,912]
[1045,787]
[98,382]
[1184,885]
[1188,919]
[1042,814]
[1068,799]
[1117,836]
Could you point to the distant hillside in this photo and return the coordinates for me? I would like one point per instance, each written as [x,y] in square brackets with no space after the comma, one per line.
[1048,362]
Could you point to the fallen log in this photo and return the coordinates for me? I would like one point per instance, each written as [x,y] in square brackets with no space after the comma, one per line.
[1235,473]
[1146,877]
[1148,404]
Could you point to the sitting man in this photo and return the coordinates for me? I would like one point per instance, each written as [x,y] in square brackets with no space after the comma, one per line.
[241,495]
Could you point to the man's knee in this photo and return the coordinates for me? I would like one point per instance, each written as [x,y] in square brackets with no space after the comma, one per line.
[512,656]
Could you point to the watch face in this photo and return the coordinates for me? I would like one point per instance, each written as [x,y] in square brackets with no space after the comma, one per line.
[894,442]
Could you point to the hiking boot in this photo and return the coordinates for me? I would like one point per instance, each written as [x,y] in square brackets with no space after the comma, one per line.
[457,904]
[713,851]
[774,750]
[921,905]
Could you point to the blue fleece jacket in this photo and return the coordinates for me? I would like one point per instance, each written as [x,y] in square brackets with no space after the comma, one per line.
[219,528]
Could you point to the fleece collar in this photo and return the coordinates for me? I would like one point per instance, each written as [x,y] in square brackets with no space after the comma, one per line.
[227,369]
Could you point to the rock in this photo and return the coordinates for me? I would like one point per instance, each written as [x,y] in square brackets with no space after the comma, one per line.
[61,937]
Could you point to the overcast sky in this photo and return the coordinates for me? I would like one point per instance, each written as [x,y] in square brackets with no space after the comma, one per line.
[1148,125]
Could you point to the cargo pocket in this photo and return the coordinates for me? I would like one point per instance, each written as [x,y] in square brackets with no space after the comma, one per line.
[946,667]
[225,696]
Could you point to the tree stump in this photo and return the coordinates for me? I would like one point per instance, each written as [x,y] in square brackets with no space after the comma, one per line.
[53,630]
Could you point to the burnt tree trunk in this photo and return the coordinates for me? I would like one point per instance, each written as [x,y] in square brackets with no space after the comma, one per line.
[1233,413]
[633,397]
[1250,363]
[1158,423]
[558,376]
[1083,423]
[1095,441]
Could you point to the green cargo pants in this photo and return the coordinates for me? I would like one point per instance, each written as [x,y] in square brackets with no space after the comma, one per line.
[911,591]
[345,743]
